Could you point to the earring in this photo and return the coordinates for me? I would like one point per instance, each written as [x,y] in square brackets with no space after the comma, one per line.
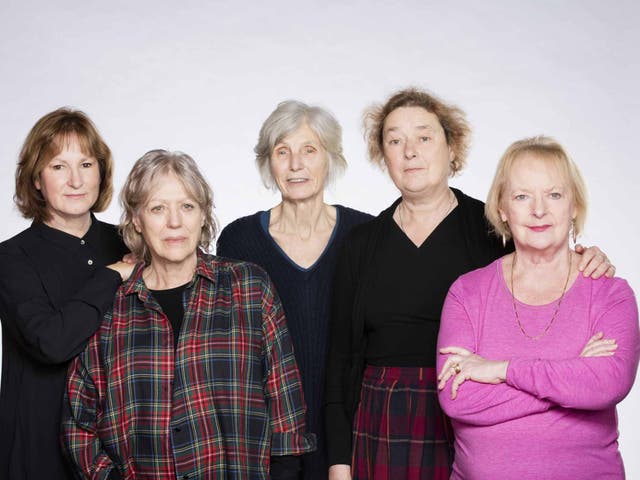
[504,236]
[573,230]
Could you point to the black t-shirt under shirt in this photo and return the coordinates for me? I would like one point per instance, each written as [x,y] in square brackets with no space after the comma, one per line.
[172,305]
[404,304]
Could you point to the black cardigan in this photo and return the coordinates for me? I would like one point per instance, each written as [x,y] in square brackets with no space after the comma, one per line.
[345,365]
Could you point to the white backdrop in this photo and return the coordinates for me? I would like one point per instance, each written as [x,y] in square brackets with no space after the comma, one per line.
[201,76]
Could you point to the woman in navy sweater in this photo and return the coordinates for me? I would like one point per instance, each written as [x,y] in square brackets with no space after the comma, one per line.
[299,152]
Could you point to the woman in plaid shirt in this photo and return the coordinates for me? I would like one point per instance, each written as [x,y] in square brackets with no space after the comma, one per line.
[192,374]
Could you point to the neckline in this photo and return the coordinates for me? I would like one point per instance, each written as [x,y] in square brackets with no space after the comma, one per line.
[406,238]
[263,220]
[552,303]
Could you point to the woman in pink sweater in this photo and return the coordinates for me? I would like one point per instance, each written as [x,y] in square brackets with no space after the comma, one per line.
[533,356]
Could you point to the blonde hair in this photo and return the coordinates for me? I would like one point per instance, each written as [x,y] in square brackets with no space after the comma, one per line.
[547,149]
[137,190]
[454,123]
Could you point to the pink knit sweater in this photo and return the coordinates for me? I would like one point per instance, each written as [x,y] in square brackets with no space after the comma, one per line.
[555,416]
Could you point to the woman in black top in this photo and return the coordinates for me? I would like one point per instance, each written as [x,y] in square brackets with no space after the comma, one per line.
[383,417]
[57,279]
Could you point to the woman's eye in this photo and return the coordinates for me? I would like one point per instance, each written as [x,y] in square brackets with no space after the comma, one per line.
[57,166]
[309,150]
[556,195]
[520,196]
[87,164]
[424,139]
[189,206]
[394,141]
[281,152]
[156,209]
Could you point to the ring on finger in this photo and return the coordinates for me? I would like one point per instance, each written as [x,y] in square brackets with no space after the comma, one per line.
[456,368]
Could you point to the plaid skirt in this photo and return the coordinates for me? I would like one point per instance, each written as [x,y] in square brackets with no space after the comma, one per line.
[400,432]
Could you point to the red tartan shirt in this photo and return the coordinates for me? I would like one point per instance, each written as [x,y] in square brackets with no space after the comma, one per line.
[226,400]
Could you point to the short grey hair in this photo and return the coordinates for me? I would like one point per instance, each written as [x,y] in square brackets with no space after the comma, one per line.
[286,119]
[137,190]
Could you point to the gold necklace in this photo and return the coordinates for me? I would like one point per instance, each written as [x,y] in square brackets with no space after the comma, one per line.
[555,313]
[449,208]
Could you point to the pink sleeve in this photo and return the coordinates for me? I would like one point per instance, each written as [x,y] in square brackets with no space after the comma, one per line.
[477,403]
[593,383]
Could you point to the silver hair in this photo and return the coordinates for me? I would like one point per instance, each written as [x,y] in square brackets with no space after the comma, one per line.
[286,119]
[137,190]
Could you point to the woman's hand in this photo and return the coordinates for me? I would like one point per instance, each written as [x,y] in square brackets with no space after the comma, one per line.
[594,263]
[123,268]
[340,472]
[464,365]
[599,347]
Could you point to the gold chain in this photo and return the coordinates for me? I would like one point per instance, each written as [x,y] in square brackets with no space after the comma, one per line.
[555,313]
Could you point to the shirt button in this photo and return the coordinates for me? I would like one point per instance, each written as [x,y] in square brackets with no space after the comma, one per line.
[82,242]
[89,262]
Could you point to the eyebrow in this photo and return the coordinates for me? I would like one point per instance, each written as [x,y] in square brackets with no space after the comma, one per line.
[418,127]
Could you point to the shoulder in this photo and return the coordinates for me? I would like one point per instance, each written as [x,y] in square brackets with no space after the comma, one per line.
[476,282]
[243,228]
[241,225]
[106,227]
[238,271]
[609,291]
[20,242]
[371,226]
[470,204]
[351,217]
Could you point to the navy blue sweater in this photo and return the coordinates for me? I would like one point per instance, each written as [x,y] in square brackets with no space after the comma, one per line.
[306,297]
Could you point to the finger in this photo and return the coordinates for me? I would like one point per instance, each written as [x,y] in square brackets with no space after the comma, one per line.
[611,271]
[579,248]
[447,368]
[600,349]
[590,258]
[591,264]
[455,350]
[595,351]
[598,344]
[457,381]
[599,270]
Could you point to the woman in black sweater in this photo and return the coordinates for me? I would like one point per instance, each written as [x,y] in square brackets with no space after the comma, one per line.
[299,151]
[382,412]
[58,278]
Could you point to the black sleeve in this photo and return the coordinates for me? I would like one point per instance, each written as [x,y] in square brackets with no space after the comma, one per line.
[225,246]
[51,335]
[339,362]
[285,467]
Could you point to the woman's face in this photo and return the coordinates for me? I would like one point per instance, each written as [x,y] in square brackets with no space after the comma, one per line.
[170,221]
[299,165]
[69,184]
[538,205]
[415,150]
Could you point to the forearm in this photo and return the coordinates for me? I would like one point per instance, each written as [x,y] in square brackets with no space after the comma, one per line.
[488,404]
[55,334]
[592,383]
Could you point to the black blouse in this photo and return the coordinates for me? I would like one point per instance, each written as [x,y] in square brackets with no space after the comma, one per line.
[54,291]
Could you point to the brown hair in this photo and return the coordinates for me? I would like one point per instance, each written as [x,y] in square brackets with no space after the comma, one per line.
[48,138]
[547,149]
[456,128]
[137,189]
